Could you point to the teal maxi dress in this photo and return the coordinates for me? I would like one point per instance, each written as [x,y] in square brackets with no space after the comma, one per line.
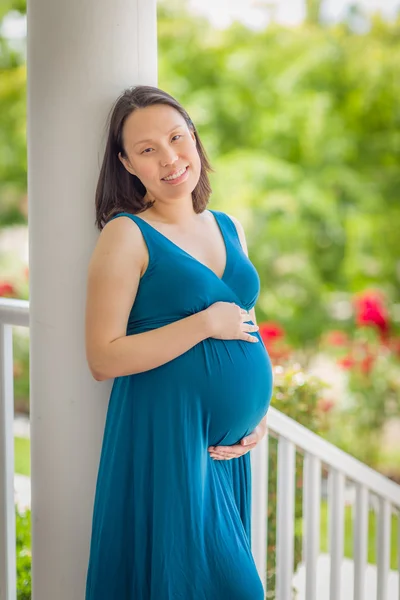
[169,522]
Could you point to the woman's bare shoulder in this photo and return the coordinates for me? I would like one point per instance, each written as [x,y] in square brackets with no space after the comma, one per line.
[120,240]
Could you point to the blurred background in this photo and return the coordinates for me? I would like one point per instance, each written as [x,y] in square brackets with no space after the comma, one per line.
[297,104]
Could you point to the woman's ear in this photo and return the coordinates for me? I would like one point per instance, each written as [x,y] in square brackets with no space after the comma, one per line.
[126,164]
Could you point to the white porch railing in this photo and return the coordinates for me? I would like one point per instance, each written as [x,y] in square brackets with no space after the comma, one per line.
[291,437]
[12,313]
[342,468]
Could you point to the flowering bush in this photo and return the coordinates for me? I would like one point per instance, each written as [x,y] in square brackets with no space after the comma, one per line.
[18,287]
[273,336]
[7,290]
[21,371]
[370,357]
[24,555]
[372,312]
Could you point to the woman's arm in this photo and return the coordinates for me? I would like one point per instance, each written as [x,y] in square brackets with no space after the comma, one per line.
[113,280]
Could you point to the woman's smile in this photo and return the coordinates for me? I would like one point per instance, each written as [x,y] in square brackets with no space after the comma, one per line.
[179,177]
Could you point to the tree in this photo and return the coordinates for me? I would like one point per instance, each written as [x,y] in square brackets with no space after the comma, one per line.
[302,127]
[13,162]
[313,11]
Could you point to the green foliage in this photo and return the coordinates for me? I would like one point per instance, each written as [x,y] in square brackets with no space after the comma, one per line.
[348,549]
[13,128]
[13,159]
[7,6]
[313,10]
[303,127]
[24,556]
[21,371]
[369,354]
[22,453]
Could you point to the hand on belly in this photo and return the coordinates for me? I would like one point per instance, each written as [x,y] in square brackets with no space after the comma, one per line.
[236,389]
[246,444]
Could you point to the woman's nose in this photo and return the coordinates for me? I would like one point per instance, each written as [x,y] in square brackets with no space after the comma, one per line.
[168,157]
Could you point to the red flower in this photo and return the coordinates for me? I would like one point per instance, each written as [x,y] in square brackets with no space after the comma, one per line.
[337,338]
[367,363]
[347,362]
[7,289]
[371,311]
[325,405]
[272,334]
[270,331]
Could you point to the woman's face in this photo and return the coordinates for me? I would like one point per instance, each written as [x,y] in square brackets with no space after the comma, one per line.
[158,144]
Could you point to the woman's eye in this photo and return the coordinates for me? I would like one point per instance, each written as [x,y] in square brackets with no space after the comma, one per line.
[145,151]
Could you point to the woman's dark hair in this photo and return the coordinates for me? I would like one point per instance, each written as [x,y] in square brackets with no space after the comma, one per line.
[119,191]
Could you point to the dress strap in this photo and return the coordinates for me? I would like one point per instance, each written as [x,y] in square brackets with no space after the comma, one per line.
[127,214]
[228,226]
[144,227]
[153,242]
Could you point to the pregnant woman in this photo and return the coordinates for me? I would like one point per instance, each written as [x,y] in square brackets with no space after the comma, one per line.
[170,316]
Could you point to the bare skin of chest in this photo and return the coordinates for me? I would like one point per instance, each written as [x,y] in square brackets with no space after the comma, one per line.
[204,243]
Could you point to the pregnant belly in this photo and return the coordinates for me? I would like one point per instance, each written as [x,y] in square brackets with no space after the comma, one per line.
[222,386]
[234,381]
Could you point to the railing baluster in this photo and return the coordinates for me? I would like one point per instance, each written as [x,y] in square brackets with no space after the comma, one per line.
[329,490]
[304,506]
[383,562]
[312,489]
[8,588]
[259,518]
[360,544]
[336,530]
[398,550]
[285,519]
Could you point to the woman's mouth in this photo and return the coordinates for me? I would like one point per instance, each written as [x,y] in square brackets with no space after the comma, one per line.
[180,176]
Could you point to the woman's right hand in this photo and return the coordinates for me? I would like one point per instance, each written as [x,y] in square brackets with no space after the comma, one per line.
[227,321]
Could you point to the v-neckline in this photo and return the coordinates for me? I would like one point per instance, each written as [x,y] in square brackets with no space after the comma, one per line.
[191,255]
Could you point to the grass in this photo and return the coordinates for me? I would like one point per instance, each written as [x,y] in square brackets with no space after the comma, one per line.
[22,466]
[348,536]
[22,454]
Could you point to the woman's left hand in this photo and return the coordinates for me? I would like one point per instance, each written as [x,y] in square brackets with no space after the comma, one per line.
[246,444]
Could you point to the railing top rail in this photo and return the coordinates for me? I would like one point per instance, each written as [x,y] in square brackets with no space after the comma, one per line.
[352,468]
[14,312]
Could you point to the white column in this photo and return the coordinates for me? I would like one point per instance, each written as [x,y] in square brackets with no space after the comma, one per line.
[81,55]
